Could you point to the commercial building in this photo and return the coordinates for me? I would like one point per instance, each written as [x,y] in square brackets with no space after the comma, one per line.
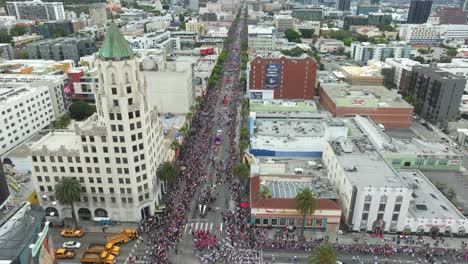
[437,93]
[390,200]
[26,108]
[308,13]
[365,75]
[355,21]
[264,39]
[403,67]
[419,11]
[6,51]
[452,15]
[170,86]
[98,14]
[365,51]
[194,26]
[343,5]
[114,153]
[275,184]
[61,49]
[36,10]
[281,77]
[432,34]
[48,29]
[25,235]
[378,103]
[310,25]
[324,45]
[283,22]
[160,40]
[366,9]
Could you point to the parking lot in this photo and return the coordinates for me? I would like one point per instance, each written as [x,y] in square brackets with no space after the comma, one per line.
[86,240]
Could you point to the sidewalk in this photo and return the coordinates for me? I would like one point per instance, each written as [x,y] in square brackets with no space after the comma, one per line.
[365,238]
[93,227]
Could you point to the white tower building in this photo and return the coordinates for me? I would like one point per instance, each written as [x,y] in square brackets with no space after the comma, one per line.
[115,153]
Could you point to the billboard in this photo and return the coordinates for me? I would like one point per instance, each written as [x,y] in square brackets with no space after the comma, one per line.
[256,95]
[272,75]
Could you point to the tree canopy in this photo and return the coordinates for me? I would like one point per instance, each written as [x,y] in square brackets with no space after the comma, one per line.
[292,35]
[323,254]
[80,110]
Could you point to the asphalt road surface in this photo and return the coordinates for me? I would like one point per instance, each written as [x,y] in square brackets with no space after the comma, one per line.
[86,240]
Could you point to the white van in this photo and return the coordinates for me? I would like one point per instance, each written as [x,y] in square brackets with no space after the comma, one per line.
[382,127]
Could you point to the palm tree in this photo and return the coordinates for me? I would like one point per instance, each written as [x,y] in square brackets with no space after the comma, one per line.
[244,133]
[167,172]
[306,203]
[323,254]
[243,145]
[242,171]
[183,130]
[67,192]
[175,145]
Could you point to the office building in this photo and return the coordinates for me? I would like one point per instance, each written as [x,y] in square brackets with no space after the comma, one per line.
[366,9]
[452,15]
[28,103]
[61,49]
[437,93]
[343,5]
[98,14]
[114,153]
[392,200]
[281,77]
[50,29]
[355,21]
[159,39]
[377,102]
[365,51]
[264,39]
[308,13]
[283,22]
[419,11]
[36,10]
[374,2]
[6,51]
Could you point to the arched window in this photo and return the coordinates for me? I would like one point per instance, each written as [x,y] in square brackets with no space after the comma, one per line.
[127,78]
[113,79]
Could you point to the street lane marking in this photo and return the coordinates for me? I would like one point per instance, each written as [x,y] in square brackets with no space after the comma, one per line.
[196,226]
[186,226]
[211,226]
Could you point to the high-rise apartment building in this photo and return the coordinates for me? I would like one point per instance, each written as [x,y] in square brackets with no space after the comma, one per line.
[437,93]
[114,154]
[363,52]
[419,11]
[61,49]
[343,5]
[98,14]
[36,10]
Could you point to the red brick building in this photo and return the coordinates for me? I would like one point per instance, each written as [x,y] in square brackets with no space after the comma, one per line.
[379,104]
[282,78]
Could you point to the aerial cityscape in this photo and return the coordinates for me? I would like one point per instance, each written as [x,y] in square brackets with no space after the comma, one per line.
[233,131]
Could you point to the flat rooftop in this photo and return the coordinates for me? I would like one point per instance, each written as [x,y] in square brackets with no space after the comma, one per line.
[362,165]
[54,141]
[345,95]
[428,201]
[282,105]
[289,187]
[291,128]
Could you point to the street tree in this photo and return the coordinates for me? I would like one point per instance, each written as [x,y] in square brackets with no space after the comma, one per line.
[167,172]
[323,254]
[67,192]
[292,35]
[306,203]
[241,170]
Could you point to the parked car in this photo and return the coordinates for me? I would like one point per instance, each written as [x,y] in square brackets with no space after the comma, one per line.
[429,128]
[72,244]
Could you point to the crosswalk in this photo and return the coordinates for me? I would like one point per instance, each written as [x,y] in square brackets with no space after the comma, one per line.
[208,226]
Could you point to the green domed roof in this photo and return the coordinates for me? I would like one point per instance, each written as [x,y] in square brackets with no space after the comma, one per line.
[115,46]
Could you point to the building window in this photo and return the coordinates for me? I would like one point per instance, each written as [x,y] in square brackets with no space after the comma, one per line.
[365,216]
[395,217]
[114,90]
[396,162]
[366,207]
[382,207]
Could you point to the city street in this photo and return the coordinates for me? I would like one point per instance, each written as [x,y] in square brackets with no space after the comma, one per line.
[86,240]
